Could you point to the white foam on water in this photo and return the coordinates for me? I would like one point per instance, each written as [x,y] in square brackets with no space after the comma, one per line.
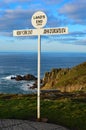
[26,86]
[23,86]
[9,77]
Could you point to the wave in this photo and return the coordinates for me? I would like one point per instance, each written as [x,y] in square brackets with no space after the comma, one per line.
[9,77]
[27,86]
[8,85]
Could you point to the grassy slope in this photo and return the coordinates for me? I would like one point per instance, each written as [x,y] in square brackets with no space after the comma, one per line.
[69,112]
[76,75]
[72,78]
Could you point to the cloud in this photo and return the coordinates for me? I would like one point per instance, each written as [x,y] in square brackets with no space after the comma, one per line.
[82,42]
[75,10]
[9,4]
[50,2]
[14,15]
[15,19]
[78,34]
[75,38]
[11,1]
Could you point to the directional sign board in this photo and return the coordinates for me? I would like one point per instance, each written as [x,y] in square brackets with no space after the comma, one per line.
[39,20]
[43,31]
[30,32]
[54,31]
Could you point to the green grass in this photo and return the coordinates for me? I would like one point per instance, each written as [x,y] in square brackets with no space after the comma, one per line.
[76,75]
[69,112]
[66,80]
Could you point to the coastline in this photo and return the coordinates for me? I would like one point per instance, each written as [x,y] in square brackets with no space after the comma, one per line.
[14,63]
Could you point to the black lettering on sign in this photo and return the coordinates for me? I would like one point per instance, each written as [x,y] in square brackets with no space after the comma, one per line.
[39,17]
[59,30]
[54,31]
[43,16]
[63,30]
[39,22]
[46,31]
[18,32]
[29,32]
[24,32]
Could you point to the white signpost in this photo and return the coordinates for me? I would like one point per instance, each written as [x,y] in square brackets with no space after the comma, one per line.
[39,20]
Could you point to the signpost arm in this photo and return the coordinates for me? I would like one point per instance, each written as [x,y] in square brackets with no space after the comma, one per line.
[38,94]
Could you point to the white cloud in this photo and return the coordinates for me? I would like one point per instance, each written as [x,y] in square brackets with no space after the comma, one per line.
[15,19]
[13,1]
[50,2]
[75,10]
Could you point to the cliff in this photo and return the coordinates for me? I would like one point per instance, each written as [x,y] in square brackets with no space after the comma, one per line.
[66,80]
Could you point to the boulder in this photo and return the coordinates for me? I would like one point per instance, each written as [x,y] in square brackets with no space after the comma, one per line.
[25,77]
[35,84]
[29,77]
[18,78]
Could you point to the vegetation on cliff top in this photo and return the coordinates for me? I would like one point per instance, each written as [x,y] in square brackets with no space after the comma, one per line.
[67,80]
[65,109]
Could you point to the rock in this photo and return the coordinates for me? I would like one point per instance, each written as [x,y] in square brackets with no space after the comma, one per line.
[66,79]
[35,84]
[25,77]
[18,78]
[29,77]
[12,77]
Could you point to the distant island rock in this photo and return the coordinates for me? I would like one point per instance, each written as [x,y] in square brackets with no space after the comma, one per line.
[67,79]
[27,77]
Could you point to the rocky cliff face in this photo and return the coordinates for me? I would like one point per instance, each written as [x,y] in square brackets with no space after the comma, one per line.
[66,80]
[51,78]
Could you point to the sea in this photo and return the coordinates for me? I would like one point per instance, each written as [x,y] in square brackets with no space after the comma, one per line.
[22,63]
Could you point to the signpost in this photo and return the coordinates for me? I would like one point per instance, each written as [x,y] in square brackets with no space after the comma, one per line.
[39,20]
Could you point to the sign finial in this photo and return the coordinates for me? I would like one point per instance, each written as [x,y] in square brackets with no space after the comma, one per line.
[39,19]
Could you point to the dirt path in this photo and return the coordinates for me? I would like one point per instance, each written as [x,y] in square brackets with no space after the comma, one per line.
[12,124]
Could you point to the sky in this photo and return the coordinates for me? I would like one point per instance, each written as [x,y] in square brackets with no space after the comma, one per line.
[17,14]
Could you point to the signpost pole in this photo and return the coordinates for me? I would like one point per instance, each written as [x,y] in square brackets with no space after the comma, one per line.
[39,20]
[38,94]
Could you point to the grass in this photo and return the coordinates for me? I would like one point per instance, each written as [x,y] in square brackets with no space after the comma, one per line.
[65,79]
[76,75]
[65,111]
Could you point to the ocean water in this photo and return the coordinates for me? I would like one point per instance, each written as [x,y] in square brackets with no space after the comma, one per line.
[22,63]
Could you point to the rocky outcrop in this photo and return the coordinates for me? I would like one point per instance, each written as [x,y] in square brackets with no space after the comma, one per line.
[54,75]
[51,78]
[27,77]
[35,84]
[66,80]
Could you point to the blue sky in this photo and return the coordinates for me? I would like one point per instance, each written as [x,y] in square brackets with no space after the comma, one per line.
[16,14]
